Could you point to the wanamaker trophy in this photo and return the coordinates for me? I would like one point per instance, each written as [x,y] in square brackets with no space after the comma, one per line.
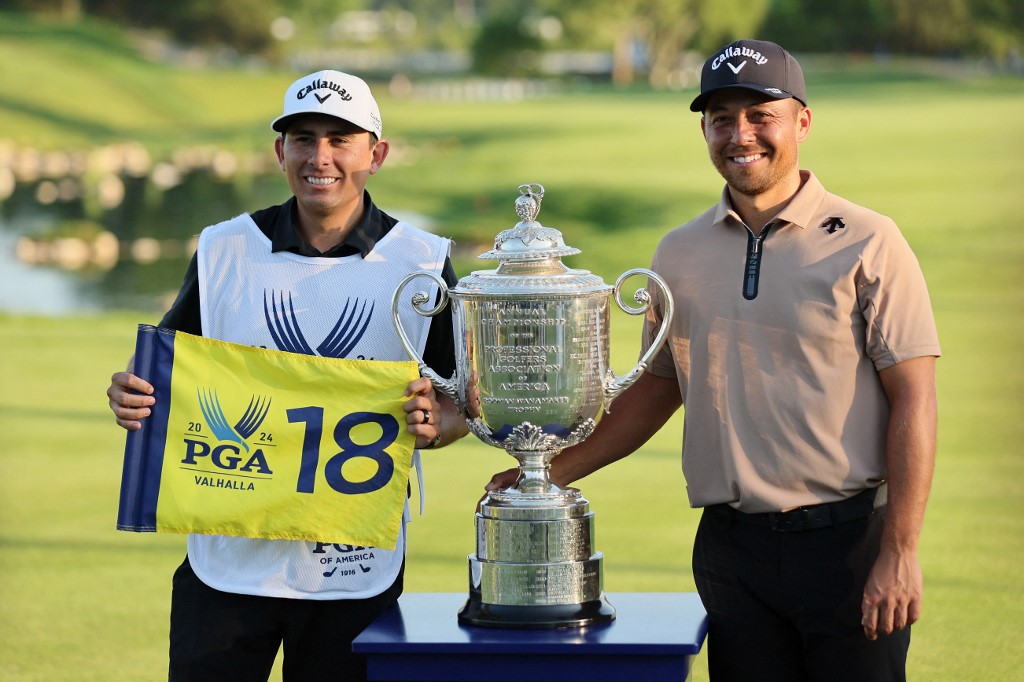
[532,377]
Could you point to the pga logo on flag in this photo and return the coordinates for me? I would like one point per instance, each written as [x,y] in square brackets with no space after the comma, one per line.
[218,425]
[252,442]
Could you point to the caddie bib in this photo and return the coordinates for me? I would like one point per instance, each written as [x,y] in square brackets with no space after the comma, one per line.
[333,307]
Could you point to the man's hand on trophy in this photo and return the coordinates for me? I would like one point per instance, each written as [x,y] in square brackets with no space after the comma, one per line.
[505,479]
[500,481]
[473,396]
[423,413]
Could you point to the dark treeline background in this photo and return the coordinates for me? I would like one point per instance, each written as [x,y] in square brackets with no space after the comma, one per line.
[648,39]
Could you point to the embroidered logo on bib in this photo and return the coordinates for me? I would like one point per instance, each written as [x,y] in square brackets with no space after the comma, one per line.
[283,324]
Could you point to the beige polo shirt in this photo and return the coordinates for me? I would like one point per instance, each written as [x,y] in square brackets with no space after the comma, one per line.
[783,404]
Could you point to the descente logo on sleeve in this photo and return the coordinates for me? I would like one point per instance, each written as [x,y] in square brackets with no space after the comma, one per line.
[323,85]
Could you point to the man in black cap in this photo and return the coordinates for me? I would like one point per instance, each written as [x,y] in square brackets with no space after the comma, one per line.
[803,349]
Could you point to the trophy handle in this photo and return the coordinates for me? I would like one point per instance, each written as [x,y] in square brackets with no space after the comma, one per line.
[447,386]
[613,385]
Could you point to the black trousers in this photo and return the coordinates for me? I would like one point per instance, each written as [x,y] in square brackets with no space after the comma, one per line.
[223,636]
[786,605]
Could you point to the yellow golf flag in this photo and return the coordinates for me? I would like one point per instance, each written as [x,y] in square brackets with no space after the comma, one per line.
[260,443]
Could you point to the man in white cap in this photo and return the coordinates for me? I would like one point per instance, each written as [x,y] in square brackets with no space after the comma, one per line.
[290,277]
[803,349]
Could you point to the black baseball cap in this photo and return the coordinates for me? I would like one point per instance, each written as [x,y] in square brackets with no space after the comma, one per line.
[755,65]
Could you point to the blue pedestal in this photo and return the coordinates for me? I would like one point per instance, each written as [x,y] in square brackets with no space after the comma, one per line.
[653,637]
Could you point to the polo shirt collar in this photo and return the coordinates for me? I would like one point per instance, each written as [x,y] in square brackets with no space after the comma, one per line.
[800,211]
[361,239]
[803,207]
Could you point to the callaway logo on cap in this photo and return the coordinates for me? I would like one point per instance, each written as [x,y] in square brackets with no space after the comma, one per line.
[331,93]
[755,65]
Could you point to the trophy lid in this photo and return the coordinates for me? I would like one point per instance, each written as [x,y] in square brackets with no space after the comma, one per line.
[529,240]
[530,261]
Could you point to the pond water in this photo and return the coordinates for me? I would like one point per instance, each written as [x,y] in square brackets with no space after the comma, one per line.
[72,254]
[61,256]
[37,290]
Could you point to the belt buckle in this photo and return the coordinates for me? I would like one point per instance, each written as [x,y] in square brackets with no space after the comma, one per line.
[785,522]
[795,520]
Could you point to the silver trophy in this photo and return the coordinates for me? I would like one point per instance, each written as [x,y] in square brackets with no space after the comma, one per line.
[532,377]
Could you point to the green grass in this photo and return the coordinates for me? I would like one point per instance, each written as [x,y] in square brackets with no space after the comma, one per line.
[81,601]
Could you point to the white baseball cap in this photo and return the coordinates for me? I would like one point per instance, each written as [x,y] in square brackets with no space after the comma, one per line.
[332,93]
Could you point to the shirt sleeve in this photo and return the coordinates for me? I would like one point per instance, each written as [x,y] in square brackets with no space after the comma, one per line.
[184,314]
[439,352]
[894,300]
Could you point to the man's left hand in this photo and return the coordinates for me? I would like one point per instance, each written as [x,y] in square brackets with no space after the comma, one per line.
[892,595]
[423,414]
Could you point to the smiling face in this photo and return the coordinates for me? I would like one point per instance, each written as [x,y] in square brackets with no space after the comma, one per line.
[327,162]
[753,142]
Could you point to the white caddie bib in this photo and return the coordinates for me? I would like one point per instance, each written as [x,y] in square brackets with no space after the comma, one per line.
[334,307]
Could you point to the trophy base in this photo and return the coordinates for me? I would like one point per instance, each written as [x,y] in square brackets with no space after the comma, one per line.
[535,566]
[535,617]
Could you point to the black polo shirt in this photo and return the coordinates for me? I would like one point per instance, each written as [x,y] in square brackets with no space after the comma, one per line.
[278,224]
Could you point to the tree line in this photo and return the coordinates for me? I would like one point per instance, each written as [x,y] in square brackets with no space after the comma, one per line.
[505,37]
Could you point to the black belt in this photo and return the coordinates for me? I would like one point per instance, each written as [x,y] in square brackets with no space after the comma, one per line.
[810,517]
